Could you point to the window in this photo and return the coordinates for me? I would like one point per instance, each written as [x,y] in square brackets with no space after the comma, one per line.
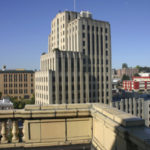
[78,78]
[106,61]
[53,88]
[83,43]
[106,30]
[92,28]
[72,64]
[84,61]
[97,29]
[83,27]
[106,69]
[106,45]
[66,64]
[72,78]
[66,87]
[83,51]
[66,78]
[106,78]
[83,35]
[59,64]
[106,53]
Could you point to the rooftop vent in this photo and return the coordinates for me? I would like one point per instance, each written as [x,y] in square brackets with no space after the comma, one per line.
[4,68]
[86,14]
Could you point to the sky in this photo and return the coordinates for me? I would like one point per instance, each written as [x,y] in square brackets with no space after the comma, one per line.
[25,26]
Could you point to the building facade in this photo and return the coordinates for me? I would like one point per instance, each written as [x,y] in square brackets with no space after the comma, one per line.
[127,71]
[17,83]
[138,107]
[77,67]
[137,84]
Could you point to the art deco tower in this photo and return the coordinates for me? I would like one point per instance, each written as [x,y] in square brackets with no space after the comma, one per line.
[77,67]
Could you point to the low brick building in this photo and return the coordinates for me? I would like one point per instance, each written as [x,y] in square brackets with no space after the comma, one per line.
[17,83]
[137,84]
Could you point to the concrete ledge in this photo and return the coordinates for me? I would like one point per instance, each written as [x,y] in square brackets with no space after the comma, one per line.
[122,118]
[32,107]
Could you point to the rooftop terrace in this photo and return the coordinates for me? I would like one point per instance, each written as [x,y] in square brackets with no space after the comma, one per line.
[73,126]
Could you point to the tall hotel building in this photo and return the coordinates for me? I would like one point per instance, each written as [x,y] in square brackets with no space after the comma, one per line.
[77,67]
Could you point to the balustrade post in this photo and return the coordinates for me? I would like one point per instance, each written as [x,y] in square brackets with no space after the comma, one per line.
[15,131]
[3,132]
[23,131]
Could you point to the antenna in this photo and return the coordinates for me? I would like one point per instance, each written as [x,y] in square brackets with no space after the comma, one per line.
[74,5]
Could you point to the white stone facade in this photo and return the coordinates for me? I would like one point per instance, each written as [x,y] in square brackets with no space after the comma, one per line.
[77,67]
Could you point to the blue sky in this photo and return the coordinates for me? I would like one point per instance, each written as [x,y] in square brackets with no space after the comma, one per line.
[25,25]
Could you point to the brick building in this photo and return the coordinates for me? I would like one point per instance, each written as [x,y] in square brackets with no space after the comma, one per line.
[137,84]
[17,83]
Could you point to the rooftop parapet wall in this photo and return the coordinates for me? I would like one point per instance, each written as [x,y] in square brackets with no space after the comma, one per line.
[69,124]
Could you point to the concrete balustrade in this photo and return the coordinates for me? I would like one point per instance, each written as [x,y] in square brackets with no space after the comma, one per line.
[100,125]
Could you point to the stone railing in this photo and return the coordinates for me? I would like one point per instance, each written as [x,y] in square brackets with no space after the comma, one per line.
[102,126]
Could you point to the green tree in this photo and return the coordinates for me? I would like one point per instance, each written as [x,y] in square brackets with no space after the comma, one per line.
[33,99]
[136,75]
[124,65]
[125,77]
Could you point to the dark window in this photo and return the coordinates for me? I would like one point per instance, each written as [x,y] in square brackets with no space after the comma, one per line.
[106,38]
[83,27]
[66,79]
[83,51]
[97,29]
[66,87]
[84,86]
[89,69]
[78,86]
[83,35]
[97,42]
[78,65]
[83,43]
[107,78]
[60,88]
[84,61]
[106,61]
[60,79]
[66,64]
[78,78]
[88,44]
[93,47]
[53,88]
[72,64]
[106,69]
[59,64]
[88,27]
[106,45]
[72,78]
[106,30]
[101,45]
[32,90]
[92,28]
[106,53]
[84,69]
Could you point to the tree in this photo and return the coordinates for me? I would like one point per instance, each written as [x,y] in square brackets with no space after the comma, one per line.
[33,99]
[125,77]
[136,75]
[124,65]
